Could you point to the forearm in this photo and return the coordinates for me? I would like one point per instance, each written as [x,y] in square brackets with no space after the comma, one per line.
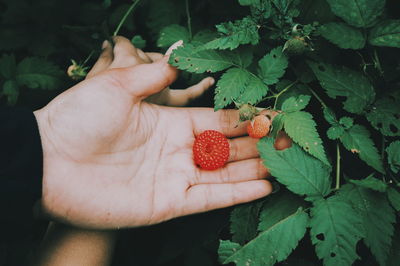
[65,245]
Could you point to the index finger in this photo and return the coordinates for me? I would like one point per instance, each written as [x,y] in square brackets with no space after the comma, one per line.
[224,121]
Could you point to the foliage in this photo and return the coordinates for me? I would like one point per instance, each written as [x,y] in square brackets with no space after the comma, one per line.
[330,68]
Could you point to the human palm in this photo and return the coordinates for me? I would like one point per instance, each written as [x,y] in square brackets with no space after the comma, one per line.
[113,160]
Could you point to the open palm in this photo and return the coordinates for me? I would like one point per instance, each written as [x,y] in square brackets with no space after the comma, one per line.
[113,160]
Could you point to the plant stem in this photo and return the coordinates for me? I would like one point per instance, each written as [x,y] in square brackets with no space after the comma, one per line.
[337,166]
[281,92]
[189,19]
[125,17]
[318,98]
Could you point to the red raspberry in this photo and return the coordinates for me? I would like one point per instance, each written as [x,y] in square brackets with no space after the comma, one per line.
[259,126]
[211,150]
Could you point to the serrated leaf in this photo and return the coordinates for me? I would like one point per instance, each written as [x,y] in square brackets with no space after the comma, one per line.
[386,33]
[277,125]
[254,91]
[230,86]
[357,140]
[394,156]
[377,218]
[300,172]
[335,132]
[273,66]
[244,31]
[330,116]
[270,246]
[8,66]
[204,36]
[344,36]
[11,91]
[294,103]
[346,122]
[35,73]
[358,13]
[190,59]
[277,207]
[383,116]
[370,182]
[341,81]
[243,56]
[335,231]
[244,222]
[171,34]
[301,127]
[394,198]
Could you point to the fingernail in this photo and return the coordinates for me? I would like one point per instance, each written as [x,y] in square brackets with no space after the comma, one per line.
[104,45]
[212,81]
[173,47]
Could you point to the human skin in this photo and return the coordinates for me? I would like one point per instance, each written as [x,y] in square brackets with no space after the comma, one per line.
[113,160]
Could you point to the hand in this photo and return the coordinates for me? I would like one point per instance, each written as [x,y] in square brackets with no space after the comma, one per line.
[113,160]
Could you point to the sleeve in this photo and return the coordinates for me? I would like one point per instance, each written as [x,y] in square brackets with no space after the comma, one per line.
[21,171]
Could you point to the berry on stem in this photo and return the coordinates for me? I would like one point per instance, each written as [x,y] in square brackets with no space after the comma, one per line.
[211,150]
[259,126]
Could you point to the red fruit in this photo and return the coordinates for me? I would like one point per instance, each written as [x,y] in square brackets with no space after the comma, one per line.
[259,126]
[211,150]
[282,141]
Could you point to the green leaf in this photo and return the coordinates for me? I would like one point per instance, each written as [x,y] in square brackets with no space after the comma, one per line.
[301,127]
[394,156]
[346,122]
[8,66]
[171,34]
[357,140]
[386,33]
[230,86]
[286,7]
[11,90]
[294,104]
[243,56]
[189,59]
[394,254]
[377,218]
[344,36]
[358,13]
[370,182]
[273,66]
[335,132]
[244,31]
[394,198]
[330,116]
[254,91]
[341,81]
[277,125]
[335,231]
[383,116]
[244,221]
[204,36]
[35,73]
[270,246]
[300,172]
[278,207]
[138,42]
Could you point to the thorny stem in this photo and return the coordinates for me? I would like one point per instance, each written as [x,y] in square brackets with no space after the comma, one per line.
[337,166]
[125,17]
[276,96]
[189,19]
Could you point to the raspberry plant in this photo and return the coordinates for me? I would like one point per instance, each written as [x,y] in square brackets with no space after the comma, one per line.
[331,68]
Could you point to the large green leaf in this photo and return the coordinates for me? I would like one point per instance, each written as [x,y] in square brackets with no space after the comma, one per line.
[371,182]
[230,86]
[394,156]
[244,221]
[295,103]
[344,36]
[270,246]
[300,172]
[273,66]
[301,127]
[277,207]
[386,33]
[35,73]
[335,231]
[358,13]
[383,116]
[171,34]
[255,90]
[394,198]
[244,31]
[190,59]
[377,218]
[341,81]
[357,140]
